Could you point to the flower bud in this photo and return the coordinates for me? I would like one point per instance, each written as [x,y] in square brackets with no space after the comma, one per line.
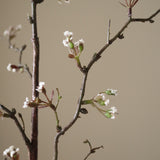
[59,128]
[83,111]
[71,56]
[81,47]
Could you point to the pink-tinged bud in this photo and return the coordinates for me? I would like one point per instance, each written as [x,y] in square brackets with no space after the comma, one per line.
[71,56]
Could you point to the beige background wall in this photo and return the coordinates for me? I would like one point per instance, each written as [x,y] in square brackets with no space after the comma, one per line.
[130,65]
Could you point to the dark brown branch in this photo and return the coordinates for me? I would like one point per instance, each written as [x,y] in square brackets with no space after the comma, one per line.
[92,150]
[150,19]
[85,70]
[119,34]
[11,114]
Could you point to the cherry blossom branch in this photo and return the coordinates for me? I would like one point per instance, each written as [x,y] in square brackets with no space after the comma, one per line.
[12,115]
[85,71]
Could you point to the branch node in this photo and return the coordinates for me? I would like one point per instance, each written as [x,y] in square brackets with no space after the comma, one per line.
[84,69]
[121,36]
[13,112]
[151,21]
[30,19]
[96,57]
[59,128]
[84,111]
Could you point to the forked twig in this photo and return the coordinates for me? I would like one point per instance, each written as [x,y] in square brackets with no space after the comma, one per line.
[92,150]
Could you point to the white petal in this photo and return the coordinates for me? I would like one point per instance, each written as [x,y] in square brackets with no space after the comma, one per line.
[106,102]
[68,34]
[41,83]
[9,68]
[12,153]
[65,43]
[113,110]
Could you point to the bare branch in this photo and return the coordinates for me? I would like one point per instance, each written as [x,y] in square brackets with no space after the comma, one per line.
[120,32]
[149,19]
[92,150]
[11,114]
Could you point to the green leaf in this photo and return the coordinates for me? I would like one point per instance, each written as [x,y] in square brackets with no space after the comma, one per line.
[108,115]
[71,45]
[108,92]
[101,102]
[59,97]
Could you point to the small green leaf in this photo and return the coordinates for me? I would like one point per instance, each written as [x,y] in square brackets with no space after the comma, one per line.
[101,102]
[71,45]
[108,92]
[108,115]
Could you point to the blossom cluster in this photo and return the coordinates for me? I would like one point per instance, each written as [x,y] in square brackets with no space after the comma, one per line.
[74,48]
[35,103]
[12,153]
[101,99]
[15,68]
[111,92]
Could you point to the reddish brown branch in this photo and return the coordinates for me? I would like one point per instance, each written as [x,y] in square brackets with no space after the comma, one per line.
[35,81]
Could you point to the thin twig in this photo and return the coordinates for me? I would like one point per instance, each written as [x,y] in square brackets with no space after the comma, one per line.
[23,124]
[92,150]
[22,131]
[20,51]
[108,31]
[85,70]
